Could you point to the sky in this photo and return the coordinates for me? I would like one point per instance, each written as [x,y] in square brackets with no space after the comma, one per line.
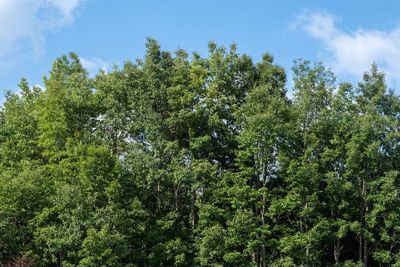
[348,36]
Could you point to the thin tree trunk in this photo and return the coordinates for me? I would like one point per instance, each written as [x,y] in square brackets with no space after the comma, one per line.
[365,262]
[360,245]
[193,209]
[362,242]
[176,196]
[158,197]
[263,249]
[336,250]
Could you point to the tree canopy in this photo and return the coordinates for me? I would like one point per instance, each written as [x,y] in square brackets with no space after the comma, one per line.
[182,160]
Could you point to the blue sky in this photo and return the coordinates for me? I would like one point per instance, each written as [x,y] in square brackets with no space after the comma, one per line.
[347,35]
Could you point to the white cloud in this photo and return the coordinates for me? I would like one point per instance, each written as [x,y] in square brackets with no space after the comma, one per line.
[65,6]
[23,24]
[354,52]
[93,65]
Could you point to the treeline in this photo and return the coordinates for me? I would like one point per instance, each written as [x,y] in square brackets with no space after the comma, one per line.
[181,160]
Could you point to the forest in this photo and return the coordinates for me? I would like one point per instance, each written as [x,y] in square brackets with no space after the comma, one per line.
[178,159]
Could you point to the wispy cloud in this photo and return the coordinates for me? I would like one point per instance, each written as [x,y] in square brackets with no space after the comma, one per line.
[93,65]
[353,52]
[25,22]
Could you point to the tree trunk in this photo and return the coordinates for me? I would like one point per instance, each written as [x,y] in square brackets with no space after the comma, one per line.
[365,262]
[193,209]
[176,196]
[263,249]
[336,250]
[363,246]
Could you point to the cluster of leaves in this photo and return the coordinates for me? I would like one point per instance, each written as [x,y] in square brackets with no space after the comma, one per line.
[179,160]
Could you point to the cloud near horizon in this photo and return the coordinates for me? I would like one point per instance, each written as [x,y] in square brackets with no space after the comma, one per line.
[26,21]
[353,52]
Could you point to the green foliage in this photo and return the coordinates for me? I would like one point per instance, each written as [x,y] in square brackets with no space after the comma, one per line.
[181,160]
